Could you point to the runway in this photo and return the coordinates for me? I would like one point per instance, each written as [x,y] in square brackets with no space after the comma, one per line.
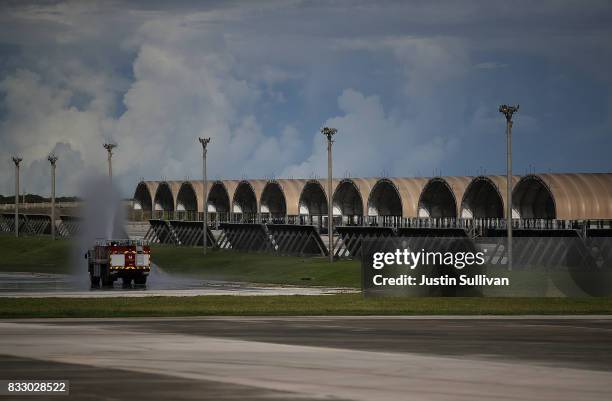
[308,358]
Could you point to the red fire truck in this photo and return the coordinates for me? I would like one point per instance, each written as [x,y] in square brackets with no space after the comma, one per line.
[109,260]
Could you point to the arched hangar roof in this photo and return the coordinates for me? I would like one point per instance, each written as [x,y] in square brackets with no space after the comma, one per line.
[563,196]
[364,187]
[150,188]
[500,182]
[410,190]
[172,186]
[458,184]
[291,189]
[575,196]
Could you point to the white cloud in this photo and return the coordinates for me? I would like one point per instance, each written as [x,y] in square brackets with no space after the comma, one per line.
[39,118]
[183,87]
[369,141]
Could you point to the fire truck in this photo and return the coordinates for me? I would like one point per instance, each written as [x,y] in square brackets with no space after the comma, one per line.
[129,260]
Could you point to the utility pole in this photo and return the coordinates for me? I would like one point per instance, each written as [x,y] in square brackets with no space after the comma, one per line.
[508,111]
[329,133]
[109,148]
[204,142]
[17,160]
[52,159]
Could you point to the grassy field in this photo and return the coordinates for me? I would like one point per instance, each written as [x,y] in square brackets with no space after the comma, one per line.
[257,268]
[347,304]
[41,254]
[34,254]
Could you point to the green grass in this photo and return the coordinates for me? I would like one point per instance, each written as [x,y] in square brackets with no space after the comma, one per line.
[34,254]
[42,255]
[346,304]
[257,267]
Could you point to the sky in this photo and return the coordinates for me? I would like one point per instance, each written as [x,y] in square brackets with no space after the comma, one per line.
[413,88]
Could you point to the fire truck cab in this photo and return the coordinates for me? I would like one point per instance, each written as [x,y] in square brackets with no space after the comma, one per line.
[127,259]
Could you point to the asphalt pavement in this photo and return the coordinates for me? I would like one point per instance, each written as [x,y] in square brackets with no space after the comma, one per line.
[341,358]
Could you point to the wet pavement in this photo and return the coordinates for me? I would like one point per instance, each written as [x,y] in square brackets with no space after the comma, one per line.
[29,285]
[36,282]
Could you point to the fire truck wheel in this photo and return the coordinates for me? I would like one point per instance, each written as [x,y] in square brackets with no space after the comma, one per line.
[140,281]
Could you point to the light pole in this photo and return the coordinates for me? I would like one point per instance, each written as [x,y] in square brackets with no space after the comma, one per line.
[109,148]
[508,111]
[52,159]
[204,142]
[329,133]
[17,160]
